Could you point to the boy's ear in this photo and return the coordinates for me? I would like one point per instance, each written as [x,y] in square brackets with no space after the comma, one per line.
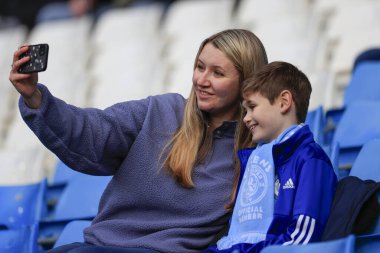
[286,101]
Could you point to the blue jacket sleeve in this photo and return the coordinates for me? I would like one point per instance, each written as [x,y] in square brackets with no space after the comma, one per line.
[310,206]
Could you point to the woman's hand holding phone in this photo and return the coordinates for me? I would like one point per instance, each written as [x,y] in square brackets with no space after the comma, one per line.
[25,83]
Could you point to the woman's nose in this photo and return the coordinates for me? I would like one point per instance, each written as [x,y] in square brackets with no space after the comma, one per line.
[203,79]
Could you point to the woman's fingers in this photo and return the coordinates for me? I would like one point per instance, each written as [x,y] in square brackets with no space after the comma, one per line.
[17,62]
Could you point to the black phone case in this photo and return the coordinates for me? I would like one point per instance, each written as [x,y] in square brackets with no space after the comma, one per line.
[38,59]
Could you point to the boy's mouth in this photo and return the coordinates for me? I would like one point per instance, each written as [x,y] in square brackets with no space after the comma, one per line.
[252,127]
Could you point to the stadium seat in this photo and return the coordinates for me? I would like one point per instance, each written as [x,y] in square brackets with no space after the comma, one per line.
[368,55]
[345,245]
[10,39]
[61,177]
[344,56]
[62,174]
[367,164]
[21,167]
[19,240]
[65,57]
[359,124]
[76,203]
[181,30]
[362,86]
[367,167]
[22,204]
[72,232]
[73,204]
[315,120]
[126,50]
[333,152]
[367,244]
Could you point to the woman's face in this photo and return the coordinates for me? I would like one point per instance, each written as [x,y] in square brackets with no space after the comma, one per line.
[216,83]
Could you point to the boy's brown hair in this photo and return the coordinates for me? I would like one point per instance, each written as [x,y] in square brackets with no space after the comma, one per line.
[277,76]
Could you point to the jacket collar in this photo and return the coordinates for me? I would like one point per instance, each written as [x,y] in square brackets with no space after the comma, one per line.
[282,151]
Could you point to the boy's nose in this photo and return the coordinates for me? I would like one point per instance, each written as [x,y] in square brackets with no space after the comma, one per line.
[246,119]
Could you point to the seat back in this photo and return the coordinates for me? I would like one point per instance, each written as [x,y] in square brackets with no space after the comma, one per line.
[359,124]
[22,204]
[367,167]
[365,244]
[344,245]
[315,120]
[80,198]
[16,240]
[62,174]
[72,232]
[332,151]
[364,83]
[367,163]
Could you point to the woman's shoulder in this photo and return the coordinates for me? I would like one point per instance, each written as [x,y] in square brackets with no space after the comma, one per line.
[168,99]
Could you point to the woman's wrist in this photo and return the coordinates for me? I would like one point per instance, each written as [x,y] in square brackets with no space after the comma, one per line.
[35,100]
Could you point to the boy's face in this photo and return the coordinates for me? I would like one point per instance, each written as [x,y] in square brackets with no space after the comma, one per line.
[263,119]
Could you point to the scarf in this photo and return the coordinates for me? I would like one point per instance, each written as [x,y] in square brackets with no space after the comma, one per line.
[253,211]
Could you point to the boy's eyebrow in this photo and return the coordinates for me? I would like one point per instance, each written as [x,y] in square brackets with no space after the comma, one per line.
[245,103]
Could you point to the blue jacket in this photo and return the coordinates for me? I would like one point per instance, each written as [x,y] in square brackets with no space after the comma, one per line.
[305,192]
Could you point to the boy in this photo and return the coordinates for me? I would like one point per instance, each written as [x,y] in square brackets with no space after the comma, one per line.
[287,182]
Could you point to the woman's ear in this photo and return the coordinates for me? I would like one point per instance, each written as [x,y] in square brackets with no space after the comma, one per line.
[286,101]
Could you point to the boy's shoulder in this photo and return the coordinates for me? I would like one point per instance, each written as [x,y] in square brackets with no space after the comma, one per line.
[303,146]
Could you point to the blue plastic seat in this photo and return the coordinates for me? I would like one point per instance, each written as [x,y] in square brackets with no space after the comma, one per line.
[333,152]
[368,55]
[22,204]
[19,240]
[367,244]
[344,245]
[367,163]
[79,200]
[72,232]
[360,123]
[363,86]
[62,175]
[315,120]
[367,167]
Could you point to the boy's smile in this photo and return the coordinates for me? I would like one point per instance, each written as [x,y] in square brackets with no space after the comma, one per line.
[263,119]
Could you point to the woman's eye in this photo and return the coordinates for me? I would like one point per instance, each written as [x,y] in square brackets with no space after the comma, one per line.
[218,73]
[200,67]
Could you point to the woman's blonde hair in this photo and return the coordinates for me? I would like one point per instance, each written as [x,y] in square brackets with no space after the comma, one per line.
[193,139]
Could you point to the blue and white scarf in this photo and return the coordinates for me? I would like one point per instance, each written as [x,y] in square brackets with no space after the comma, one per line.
[253,211]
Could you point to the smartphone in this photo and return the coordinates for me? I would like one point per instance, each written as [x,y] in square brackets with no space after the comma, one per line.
[38,59]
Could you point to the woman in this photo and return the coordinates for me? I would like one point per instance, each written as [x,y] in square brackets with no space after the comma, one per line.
[172,159]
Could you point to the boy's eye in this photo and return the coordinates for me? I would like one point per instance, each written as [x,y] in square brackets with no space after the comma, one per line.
[251,107]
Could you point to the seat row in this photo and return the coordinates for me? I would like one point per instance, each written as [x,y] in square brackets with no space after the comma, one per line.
[39,211]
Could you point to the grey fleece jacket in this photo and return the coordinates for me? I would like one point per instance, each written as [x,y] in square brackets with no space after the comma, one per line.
[143,206]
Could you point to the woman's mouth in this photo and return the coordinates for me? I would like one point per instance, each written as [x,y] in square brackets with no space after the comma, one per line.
[204,94]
